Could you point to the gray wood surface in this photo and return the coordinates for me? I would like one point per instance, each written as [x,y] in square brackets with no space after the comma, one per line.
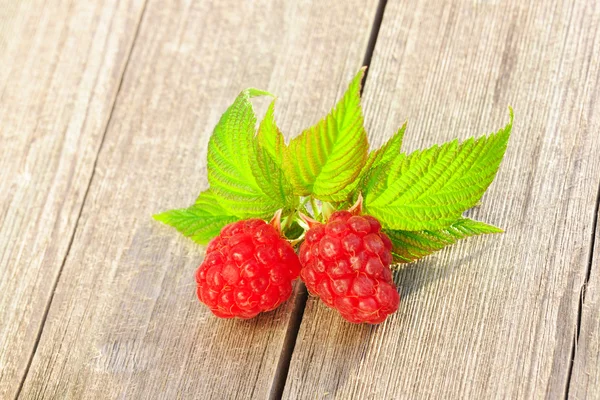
[106,108]
[585,381]
[493,317]
[60,67]
[124,321]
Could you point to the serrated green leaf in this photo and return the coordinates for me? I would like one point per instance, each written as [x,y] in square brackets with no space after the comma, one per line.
[328,156]
[410,246]
[271,178]
[389,151]
[241,174]
[269,136]
[430,189]
[200,222]
[267,165]
[383,155]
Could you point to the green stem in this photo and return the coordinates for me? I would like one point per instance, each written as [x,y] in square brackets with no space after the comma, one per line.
[313,205]
[288,221]
[303,203]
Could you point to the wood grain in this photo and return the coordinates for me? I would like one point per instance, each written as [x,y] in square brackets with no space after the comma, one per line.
[492,317]
[125,322]
[61,67]
[585,379]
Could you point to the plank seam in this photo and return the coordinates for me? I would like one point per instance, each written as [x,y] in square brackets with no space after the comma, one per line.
[583,293]
[289,343]
[373,39]
[291,335]
[55,284]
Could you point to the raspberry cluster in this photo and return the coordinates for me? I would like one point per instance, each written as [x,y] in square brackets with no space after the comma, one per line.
[248,269]
[346,262]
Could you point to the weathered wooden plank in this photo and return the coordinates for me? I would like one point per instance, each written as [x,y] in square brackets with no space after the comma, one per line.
[61,68]
[125,322]
[585,378]
[493,317]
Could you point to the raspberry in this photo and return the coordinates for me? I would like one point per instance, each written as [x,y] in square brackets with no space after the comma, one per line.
[346,262]
[248,269]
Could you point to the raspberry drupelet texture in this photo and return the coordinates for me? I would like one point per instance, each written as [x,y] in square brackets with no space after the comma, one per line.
[248,269]
[346,262]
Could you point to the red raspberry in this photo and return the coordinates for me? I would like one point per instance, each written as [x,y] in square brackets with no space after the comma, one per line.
[346,262]
[248,269]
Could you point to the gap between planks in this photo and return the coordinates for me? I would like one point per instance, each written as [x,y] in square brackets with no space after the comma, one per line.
[285,358]
[87,189]
[583,293]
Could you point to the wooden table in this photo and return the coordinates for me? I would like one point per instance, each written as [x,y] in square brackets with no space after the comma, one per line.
[105,112]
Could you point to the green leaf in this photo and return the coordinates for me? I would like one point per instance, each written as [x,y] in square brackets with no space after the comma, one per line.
[272,180]
[389,151]
[410,246]
[328,156]
[269,136]
[430,189]
[200,222]
[383,155]
[253,92]
[267,163]
[246,179]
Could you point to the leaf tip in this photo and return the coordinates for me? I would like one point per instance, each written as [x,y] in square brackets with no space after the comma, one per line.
[508,127]
[495,229]
[359,77]
[253,92]
[159,217]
